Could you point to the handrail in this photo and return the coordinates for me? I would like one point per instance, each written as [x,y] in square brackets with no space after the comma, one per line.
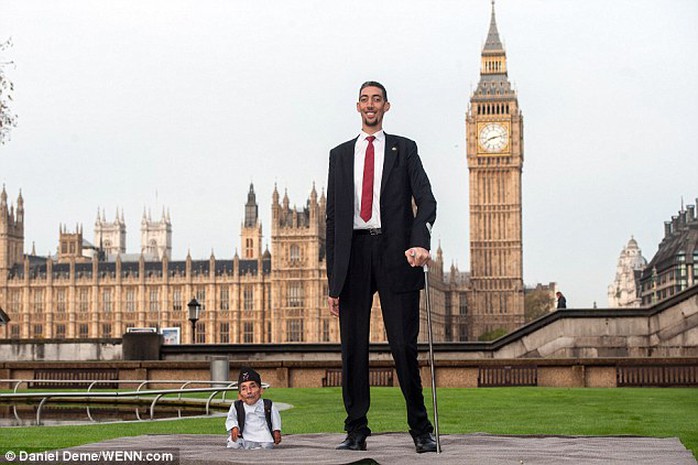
[213,394]
[159,393]
[38,410]
[89,393]
[18,382]
[34,395]
[152,405]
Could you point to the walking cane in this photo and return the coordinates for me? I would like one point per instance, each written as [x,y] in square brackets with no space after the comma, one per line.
[431,352]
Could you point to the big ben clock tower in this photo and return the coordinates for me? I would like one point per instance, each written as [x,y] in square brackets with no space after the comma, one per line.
[494,132]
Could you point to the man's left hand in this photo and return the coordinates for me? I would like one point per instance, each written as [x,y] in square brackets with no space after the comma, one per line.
[417,256]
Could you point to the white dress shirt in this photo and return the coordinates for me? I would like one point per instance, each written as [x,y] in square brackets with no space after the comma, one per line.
[359,158]
[256,429]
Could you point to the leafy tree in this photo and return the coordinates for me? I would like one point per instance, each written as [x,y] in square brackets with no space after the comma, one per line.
[537,302]
[8,119]
[492,335]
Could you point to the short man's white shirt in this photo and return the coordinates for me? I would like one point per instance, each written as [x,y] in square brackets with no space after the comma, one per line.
[359,158]
[256,428]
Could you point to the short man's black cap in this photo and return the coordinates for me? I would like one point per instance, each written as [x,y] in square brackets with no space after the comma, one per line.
[248,374]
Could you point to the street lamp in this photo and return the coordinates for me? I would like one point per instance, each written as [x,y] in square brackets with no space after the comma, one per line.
[194,309]
[4,317]
[4,320]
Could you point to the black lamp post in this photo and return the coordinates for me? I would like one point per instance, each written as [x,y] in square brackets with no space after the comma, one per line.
[194,309]
[4,317]
[4,320]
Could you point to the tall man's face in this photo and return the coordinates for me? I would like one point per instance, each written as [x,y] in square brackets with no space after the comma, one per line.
[372,106]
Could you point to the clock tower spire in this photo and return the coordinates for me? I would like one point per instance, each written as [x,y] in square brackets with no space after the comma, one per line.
[494,132]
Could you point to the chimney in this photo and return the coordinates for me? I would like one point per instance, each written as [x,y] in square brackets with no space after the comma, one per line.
[691,212]
[667,229]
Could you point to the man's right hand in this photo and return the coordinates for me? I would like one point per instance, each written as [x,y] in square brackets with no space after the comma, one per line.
[235,434]
[333,302]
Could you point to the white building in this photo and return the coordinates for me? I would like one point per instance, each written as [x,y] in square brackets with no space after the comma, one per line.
[625,289]
[110,237]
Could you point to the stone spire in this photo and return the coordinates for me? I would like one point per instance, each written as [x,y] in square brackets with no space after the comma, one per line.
[251,209]
[493,42]
[20,207]
[313,195]
[493,68]
[3,197]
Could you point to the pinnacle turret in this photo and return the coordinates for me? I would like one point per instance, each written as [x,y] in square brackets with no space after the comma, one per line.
[494,82]
[493,43]
[313,195]
[251,208]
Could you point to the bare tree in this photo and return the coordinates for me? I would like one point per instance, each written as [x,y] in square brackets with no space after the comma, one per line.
[8,119]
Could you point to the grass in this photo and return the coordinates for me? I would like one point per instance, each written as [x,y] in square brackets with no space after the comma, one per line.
[540,411]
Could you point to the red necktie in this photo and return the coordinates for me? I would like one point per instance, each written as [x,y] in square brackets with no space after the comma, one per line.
[367,187]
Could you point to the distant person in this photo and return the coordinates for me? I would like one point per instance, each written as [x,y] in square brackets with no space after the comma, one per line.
[561,301]
[253,422]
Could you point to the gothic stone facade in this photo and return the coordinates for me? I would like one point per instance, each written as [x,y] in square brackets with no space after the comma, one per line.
[673,268]
[494,129]
[261,297]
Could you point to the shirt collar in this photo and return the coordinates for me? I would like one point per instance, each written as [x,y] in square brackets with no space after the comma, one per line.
[380,136]
[254,406]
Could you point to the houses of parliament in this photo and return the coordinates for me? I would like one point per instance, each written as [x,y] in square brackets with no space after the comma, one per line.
[98,290]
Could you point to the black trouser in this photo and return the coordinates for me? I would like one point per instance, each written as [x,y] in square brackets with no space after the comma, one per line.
[401,319]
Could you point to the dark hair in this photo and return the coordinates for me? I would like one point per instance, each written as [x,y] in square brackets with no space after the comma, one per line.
[374,84]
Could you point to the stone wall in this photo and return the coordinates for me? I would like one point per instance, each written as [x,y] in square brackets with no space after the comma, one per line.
[592,372]
[54,349]
[669,329]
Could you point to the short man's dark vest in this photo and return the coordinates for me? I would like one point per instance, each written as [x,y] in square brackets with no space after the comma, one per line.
[240,409]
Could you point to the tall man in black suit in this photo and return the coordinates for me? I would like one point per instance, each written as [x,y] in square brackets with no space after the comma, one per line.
[376,241]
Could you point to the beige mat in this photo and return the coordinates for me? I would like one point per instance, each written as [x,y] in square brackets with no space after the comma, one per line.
[397,448]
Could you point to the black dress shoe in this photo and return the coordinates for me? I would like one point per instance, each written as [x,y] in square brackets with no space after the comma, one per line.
[353,442]
[424,443]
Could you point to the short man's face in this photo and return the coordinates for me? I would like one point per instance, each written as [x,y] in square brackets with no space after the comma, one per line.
[250,392]
[372,106]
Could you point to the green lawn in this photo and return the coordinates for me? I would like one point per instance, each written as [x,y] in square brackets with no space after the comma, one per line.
[583,411]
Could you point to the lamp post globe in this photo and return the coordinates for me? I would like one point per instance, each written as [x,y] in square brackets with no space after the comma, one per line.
[194,309]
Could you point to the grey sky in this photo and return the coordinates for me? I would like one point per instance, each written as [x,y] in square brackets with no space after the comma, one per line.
[193,100]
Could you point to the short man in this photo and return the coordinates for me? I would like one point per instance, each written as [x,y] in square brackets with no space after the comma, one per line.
[376,241]
[257,418]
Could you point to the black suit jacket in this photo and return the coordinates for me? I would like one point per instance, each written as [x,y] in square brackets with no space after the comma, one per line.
[403,179]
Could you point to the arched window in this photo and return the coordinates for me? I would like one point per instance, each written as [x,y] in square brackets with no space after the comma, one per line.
[294,252]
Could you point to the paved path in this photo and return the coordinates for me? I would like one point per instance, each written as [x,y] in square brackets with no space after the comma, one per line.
[397,448]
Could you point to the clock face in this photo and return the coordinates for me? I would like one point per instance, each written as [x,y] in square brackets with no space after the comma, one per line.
[493,137]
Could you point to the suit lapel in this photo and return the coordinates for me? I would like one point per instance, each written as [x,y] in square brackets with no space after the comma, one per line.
[391,152]
[348,173]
